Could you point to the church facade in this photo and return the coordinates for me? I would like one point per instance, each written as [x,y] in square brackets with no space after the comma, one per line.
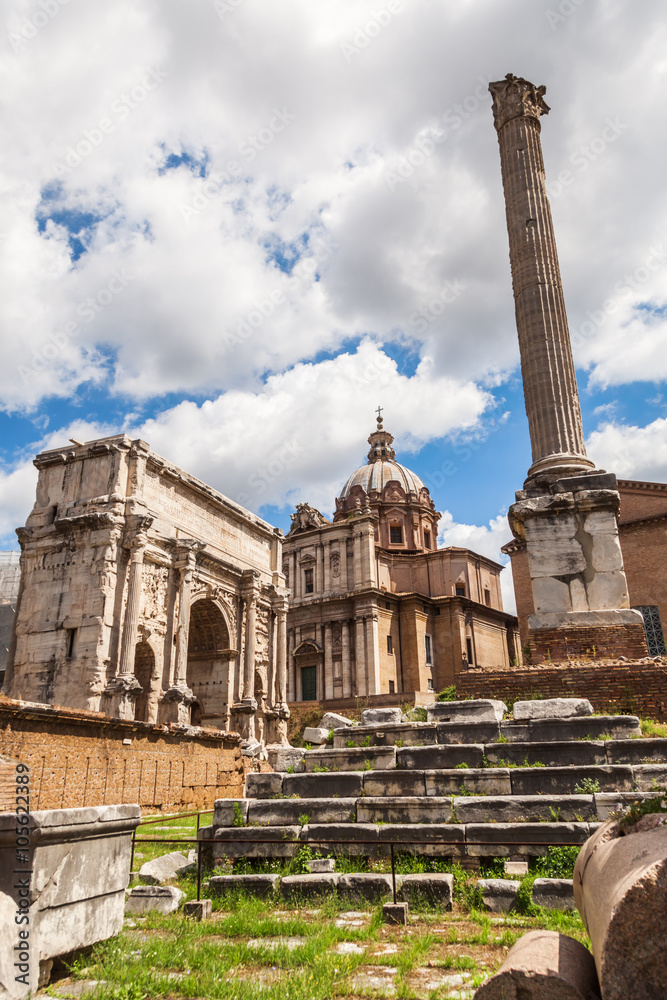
[375,607]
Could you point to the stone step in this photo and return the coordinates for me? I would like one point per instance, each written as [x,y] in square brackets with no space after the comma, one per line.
[482,809]
[290,812]
[350,759]
[563,780]
[451,840]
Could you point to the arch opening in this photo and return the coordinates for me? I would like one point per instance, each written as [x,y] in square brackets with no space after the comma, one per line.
[208,670]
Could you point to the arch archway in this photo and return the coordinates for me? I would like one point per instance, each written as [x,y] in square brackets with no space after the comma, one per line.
[208,671]
[144,666]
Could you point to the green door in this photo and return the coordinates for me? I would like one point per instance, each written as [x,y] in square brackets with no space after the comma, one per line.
[309,683]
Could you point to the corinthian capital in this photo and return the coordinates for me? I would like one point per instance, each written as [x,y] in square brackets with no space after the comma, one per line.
[515,97]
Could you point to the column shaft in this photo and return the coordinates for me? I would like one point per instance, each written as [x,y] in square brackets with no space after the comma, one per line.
[328,661]
[131,622]
[360,657]
[347,675]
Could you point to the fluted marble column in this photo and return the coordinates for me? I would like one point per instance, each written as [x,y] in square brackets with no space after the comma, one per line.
[549,383]
[177,700]
[347,672]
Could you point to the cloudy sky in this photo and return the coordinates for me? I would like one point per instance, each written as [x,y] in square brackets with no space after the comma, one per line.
[235,228]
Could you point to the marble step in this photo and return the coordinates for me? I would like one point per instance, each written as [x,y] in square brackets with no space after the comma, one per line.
[559,780]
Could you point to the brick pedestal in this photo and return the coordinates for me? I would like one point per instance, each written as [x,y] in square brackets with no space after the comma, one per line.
[595,641]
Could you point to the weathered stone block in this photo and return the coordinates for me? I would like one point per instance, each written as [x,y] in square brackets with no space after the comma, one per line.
[253,841]
[477,781]
[467,732]
[437,757]
[315,734]
[198,909]
[610,803]
[331,720]
[395,913]
[282,758]
[356,839]
[525,839]
[515,732]
[648,776]
[371,887]
[552,708]
[430,839]
[551,754]
[228,812]
[543,965]
[163,869]
[308,886]
[288,812]
[436,888]
[474,710]
[568,780]
[154,899]
[263,786]
[320,866]
[380,716]
[401,733]
[525,809]
[394,783]
[351,758]
[554,893]
[594,727]
[644,751]
[404,809]
[255,885]
[498,894]
[325,785]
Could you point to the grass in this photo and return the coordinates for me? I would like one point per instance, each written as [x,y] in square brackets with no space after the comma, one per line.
[653,729]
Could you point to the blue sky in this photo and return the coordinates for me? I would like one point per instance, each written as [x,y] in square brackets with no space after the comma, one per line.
[235,229]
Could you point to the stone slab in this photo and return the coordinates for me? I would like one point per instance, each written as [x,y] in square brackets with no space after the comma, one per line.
[395,913]
[380,716]
[326,784]
[198,909]
[554,893]
[246,841]
[474,710]
[263,786]
[476,781]
[319,866]
[404,809]
[596,727]
[255,885]
[163,869]
[331,720]
[282,758]
[648,776]
[439,757]
[642,751]
[429,839]
[394,783]
[551,754]
[371,887]
[310,886]
[154,899]
[551,708]
[351,759]
[498,894]
[434,888]
[543,965]
[228,812]
[322,836]
[514,732]
[289,812]
[525,809]
[396,734]
[467,732]
[315,734]
[568,780]
[610,803]
[524,839]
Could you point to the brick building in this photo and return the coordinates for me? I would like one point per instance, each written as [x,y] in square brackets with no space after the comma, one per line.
[643,535]
[375,607]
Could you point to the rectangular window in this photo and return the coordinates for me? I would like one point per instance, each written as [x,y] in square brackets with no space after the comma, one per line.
[430,684]
[387,606]
[309,683]
[71,643]
[487,598]
[391,687]
[469,648]
[390,644]
[428,648]
[395,534]
[309,586]
[460,590]
[427,539]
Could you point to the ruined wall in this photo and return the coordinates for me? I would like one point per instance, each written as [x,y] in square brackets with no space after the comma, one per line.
[635,688]
[80,758]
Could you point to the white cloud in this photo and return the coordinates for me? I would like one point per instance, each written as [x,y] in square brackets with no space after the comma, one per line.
[631,452]
[485,539]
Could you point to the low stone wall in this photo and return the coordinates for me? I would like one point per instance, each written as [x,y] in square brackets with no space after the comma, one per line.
[635,688]
[79,758]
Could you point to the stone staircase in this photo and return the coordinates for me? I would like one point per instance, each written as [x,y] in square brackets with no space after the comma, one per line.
[452,788]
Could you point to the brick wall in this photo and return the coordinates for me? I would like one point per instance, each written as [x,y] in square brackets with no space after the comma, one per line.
[634,688]
[601,641]
[79,758]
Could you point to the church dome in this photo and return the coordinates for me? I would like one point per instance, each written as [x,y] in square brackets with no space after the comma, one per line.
[381,468]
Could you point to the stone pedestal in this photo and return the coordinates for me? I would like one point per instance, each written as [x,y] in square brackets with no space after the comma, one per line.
[243,718]
[176,705]
[120,696]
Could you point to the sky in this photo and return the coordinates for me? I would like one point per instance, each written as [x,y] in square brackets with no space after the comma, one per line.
[234,228]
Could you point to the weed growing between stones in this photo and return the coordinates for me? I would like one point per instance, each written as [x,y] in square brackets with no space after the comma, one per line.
[651,728]
[644,807]
[587,786]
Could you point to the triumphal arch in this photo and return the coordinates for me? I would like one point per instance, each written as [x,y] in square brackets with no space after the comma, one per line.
[148,595]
